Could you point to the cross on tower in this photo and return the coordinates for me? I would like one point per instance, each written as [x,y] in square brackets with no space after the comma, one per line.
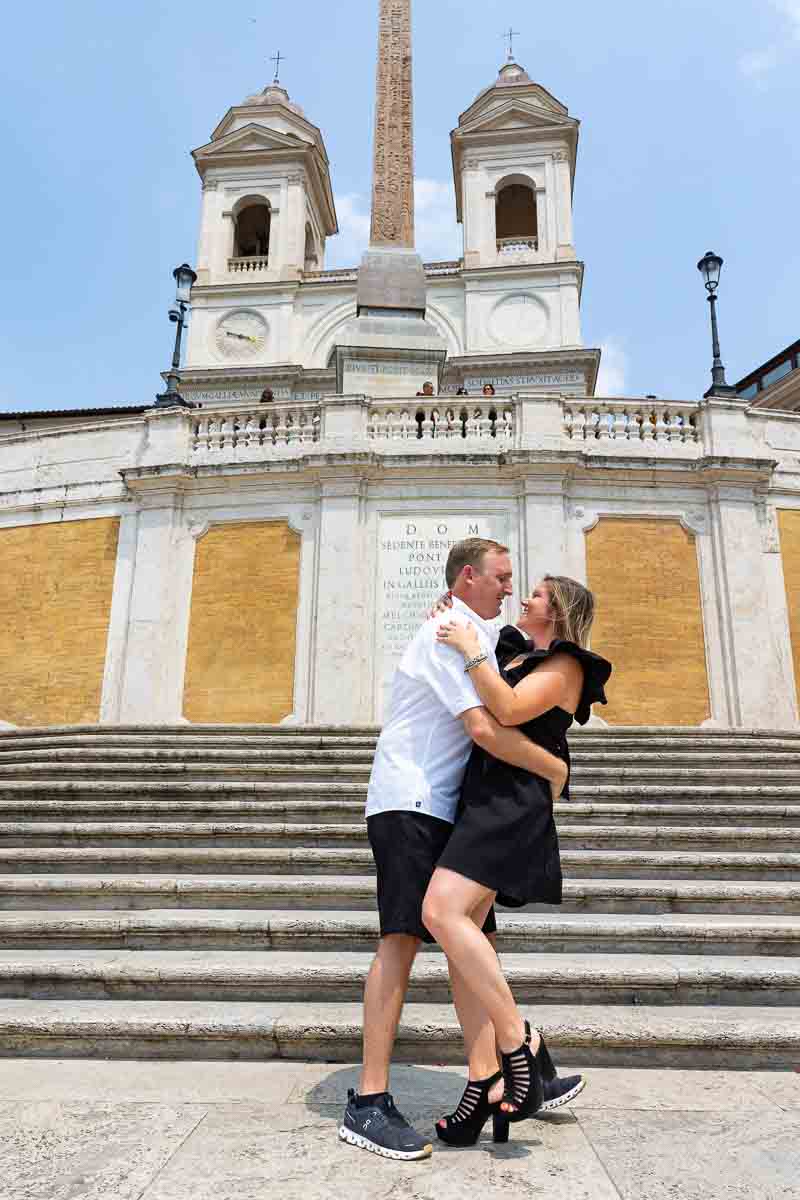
[277,59]
[511,34]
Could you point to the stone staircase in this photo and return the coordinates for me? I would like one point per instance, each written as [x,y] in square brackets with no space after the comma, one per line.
[206,892]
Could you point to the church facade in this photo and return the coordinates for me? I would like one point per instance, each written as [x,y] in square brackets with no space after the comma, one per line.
[264,555]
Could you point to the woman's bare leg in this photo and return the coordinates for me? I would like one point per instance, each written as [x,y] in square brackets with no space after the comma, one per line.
[449,901]
[479,1036]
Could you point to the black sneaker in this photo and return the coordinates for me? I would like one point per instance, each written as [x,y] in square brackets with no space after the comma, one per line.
[557,1092]
[560,1091]
[381,1129]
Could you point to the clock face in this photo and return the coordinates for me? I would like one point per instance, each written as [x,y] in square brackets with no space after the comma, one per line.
[241,334]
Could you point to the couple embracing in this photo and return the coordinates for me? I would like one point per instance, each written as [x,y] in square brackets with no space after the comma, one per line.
[460,814]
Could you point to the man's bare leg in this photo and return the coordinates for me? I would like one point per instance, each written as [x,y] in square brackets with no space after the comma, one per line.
[384,994]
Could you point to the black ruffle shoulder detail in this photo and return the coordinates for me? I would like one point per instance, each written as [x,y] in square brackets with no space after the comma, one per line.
[596,669]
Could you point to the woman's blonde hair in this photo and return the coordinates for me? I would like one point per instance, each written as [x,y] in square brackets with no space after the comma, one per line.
[573,608]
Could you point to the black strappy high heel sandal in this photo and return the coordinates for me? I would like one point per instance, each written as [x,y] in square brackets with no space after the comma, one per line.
[523,1081]
[464,1126]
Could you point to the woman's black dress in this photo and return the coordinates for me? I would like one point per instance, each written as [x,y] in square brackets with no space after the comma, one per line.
[505,835]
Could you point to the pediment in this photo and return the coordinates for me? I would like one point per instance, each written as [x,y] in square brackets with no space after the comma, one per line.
[250,139]
[502,113]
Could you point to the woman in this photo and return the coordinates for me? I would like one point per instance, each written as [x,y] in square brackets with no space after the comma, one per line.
[504,844]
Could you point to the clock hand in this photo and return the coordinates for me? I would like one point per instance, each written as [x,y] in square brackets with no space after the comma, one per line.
[241,336]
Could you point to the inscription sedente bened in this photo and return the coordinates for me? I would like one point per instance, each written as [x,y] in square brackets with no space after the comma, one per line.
[393,167]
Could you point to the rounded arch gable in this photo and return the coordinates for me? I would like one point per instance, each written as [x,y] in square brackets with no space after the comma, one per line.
[251,200]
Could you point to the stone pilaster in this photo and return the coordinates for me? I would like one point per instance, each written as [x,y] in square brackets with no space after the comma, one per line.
[341,655]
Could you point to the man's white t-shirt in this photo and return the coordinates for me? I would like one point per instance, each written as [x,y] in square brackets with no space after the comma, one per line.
[423,749]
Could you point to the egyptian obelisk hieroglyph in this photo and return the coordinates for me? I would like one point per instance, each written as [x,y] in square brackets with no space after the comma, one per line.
[393,153]
[390,349]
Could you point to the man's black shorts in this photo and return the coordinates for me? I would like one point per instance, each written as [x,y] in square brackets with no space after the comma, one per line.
[406,847]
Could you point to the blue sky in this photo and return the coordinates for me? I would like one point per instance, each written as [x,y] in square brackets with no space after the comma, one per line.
[689,112]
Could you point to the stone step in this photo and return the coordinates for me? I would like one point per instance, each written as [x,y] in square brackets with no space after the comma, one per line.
[648,794]
[213,757]
[581,1036]
[347,768]
[578,864]
[223,751]
[193,929]
[324,811]
[620,737]
[252,835]
[309,976]
[354,893]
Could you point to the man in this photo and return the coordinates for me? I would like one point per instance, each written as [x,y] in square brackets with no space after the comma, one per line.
[435,716]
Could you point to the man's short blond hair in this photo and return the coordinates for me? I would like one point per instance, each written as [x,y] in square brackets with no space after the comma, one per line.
[470,553]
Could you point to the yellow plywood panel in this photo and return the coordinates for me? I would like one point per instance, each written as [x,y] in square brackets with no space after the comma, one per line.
[240,658]
[56,582]
[789,526]
[649,621]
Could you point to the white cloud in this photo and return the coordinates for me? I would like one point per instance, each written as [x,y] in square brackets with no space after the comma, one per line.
[613,369]
[346,248]
[756,64]
[438,235]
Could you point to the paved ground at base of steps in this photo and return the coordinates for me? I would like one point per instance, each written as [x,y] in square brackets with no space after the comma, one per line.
[76,1130]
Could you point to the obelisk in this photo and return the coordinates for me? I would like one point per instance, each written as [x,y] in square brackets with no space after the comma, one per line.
[389,349]
[393,152]
[392,277]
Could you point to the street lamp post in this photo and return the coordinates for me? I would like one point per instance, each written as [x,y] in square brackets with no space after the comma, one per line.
[184,278]
[710,267]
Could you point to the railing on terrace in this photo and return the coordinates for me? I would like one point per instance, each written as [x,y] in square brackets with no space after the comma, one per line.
[517,245]
[254,263]
[644,421]
[395,421]
[343,275]
[278,426]
[350,274]
[289,428]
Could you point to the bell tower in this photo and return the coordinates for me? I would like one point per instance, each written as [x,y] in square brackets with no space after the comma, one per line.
[266,214]
[514,155]
[267,200]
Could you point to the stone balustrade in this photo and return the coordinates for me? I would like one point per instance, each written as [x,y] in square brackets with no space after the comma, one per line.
[657,424]
[279,427]
[449,426]
[445,424]
[517,245]
[248,265]
[350,274]
[343,275]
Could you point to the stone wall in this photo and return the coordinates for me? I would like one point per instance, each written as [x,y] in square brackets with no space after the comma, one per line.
[56,583]
[789,526]
[645,577]
[242,625]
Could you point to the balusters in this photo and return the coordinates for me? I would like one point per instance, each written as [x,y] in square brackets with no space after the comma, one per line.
[619,422]
[661,424]
[426,425]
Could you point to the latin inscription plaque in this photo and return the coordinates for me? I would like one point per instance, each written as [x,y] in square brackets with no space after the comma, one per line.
[412,555]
